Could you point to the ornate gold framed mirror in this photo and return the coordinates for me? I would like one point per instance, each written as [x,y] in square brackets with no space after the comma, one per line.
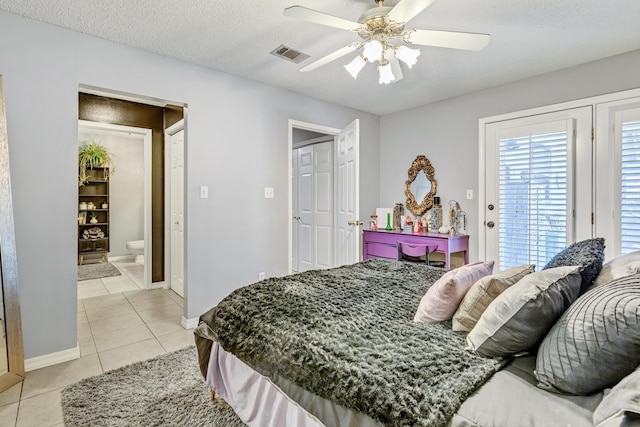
[11,350]
[420,186]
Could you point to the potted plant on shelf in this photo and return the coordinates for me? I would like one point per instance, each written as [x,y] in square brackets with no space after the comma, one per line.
[94,218]
[92,155]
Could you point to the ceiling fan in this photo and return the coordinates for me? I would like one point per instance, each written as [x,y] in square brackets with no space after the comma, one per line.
[384,37]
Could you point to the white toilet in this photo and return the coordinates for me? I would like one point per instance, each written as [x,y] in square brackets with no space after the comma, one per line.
[136,247]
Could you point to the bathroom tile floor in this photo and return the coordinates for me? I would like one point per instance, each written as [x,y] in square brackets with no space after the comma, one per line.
[132,279]
[114,329]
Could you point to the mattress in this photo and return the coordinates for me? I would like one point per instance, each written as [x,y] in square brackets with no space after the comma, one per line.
[509,398]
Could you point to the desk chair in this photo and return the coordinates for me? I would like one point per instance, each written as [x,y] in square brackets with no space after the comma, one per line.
[415,252]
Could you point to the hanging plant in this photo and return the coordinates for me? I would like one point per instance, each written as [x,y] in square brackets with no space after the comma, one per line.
[92,155]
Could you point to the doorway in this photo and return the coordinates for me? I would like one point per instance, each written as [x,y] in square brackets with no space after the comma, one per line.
[103,106]
[312,202]
[324,229]
[130,192]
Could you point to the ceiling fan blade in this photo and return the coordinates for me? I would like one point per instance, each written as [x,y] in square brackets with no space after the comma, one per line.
[331,57]
[311,15]
[450,39]
[407,9]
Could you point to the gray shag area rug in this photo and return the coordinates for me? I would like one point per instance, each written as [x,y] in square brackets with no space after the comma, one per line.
[97,271]
[165,391]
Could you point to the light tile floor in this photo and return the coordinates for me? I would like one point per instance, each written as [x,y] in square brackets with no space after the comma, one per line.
[121,325]
[132,279]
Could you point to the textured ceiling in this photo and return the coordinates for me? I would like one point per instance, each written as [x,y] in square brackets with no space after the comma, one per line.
[528,37]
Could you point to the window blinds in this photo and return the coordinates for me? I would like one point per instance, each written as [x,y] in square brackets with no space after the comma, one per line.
[533,198]
[630,174]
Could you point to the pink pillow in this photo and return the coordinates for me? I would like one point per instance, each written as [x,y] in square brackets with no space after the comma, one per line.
[443,298]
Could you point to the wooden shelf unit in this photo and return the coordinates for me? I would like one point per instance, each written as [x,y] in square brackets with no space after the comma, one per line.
[96,190]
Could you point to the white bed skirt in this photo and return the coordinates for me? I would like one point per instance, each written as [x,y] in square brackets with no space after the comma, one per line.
[257,401]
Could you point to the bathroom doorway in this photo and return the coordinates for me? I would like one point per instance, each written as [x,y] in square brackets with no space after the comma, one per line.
[113,108]
[129,207]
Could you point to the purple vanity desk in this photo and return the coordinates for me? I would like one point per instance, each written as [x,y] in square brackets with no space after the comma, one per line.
[384,244]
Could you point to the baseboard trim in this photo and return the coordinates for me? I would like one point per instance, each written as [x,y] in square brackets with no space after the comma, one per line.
[189,323]
[50,359]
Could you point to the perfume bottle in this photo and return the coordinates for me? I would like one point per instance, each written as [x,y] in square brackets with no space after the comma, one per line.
[398,212]
[436,214]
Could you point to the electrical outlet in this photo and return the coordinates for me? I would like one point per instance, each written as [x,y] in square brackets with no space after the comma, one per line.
[268,192]
[469,194]
[261,276]
[204,192]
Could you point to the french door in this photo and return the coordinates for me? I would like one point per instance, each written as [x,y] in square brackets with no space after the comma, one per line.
[617,175]
[538,186]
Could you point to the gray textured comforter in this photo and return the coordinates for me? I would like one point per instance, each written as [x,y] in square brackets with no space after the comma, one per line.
[347,334]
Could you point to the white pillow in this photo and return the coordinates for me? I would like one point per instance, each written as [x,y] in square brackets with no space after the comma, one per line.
[621,266]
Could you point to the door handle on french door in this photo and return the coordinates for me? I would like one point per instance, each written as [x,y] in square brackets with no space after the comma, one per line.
[356,222]
[297,218]
[491,224]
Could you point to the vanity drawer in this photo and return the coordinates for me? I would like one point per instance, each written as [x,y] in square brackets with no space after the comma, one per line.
[380,250]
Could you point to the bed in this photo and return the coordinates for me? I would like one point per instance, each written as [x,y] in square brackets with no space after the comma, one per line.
[339,347]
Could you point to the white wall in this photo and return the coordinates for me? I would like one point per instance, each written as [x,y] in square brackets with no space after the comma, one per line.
[236,132]
[447,132]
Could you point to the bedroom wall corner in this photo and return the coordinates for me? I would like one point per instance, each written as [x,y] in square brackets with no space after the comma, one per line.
[447,131]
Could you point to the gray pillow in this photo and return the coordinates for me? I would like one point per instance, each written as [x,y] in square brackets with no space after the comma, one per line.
[621,406]
[596,342]
[522,315]
[588,254]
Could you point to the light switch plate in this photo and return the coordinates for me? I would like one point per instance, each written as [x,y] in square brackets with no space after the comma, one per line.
[204,192]
[469,194]
[268,192]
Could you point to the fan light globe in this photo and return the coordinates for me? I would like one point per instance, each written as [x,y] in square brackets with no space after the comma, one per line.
[355,66]
[386,75]
[372,50]
[407,55]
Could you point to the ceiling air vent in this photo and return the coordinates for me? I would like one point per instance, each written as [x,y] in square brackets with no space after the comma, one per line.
[289,54]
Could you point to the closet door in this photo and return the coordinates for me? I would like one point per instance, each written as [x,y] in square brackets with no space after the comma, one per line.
[617,176]
[537,186]
[323,204]
[306,240]
[313,207]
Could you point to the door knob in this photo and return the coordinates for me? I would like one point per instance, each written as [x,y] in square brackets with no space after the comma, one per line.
[296,218]
[490,224]
[490,207]
[356,222]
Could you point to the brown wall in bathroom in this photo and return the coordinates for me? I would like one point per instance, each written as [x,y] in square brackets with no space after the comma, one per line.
[116,111]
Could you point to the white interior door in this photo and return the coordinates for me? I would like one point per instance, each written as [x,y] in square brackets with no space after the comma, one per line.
[294,211]
[177,212]
[538,187]
[306,224]
[323,204]
[347,195]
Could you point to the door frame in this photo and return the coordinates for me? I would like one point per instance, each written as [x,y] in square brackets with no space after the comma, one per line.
[108,128]
[295,124]
[168,132]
